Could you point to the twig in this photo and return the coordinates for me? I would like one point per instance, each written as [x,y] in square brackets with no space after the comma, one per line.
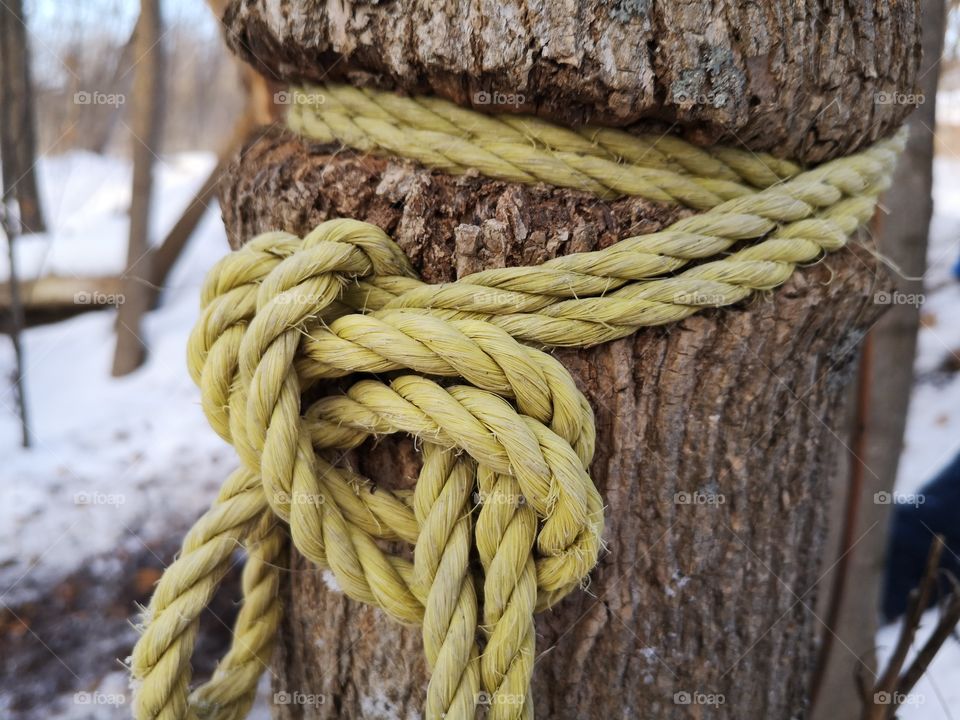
[8,220]
[892,687]
[949,617]
[916,604]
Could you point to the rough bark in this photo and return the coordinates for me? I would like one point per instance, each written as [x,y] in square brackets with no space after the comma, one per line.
[887,376]
[799,78]
[737,405]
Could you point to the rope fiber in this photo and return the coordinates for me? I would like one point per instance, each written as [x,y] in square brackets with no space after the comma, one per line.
[504,519]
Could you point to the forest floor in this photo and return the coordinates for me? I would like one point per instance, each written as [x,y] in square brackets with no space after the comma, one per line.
[121,467]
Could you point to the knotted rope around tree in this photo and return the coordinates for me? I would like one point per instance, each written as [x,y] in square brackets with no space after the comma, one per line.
[507,438]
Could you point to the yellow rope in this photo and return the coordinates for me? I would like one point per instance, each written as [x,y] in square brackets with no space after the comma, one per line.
[507,446]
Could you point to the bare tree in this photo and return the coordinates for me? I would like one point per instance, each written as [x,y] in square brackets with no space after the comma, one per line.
[18,142]
[20,209]
[147,112]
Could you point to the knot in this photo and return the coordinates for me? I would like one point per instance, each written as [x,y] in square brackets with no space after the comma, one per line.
[253,365]
[512,431]
[506,436]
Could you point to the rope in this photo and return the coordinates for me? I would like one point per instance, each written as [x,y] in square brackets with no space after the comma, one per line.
[506,435]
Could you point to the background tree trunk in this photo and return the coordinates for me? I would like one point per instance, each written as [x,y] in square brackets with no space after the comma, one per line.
[147,114]
[886,381]
[17,119]
[20,211]
[715,435]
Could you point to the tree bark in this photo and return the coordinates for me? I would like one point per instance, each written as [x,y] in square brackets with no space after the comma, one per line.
[737,405]
[797,78]
[716,436]
[147,114]
[17,119]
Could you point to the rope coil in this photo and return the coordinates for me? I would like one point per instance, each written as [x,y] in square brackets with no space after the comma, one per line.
[506,447]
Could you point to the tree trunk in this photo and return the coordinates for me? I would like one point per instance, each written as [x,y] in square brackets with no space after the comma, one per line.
[887,379]
[715,435]
[20,211]
[147,113]
[17,119]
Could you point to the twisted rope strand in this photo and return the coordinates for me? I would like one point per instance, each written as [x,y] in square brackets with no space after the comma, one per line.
[442,502]
[505,537]
[185,589]
[230,693]
[282,314]
[525,149]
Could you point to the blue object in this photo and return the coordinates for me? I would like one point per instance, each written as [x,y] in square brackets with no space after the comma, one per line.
[935,509]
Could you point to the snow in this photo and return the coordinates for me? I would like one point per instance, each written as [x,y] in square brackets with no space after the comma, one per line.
[86,197]
[933,422]
[116,462]
[127,462]
[948,107]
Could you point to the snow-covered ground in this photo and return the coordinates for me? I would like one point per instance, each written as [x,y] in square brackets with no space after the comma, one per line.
[85,200]
[125,463]
[119,467]
[115,461]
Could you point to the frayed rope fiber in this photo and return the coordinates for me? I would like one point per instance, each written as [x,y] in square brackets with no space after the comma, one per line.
[507,444]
